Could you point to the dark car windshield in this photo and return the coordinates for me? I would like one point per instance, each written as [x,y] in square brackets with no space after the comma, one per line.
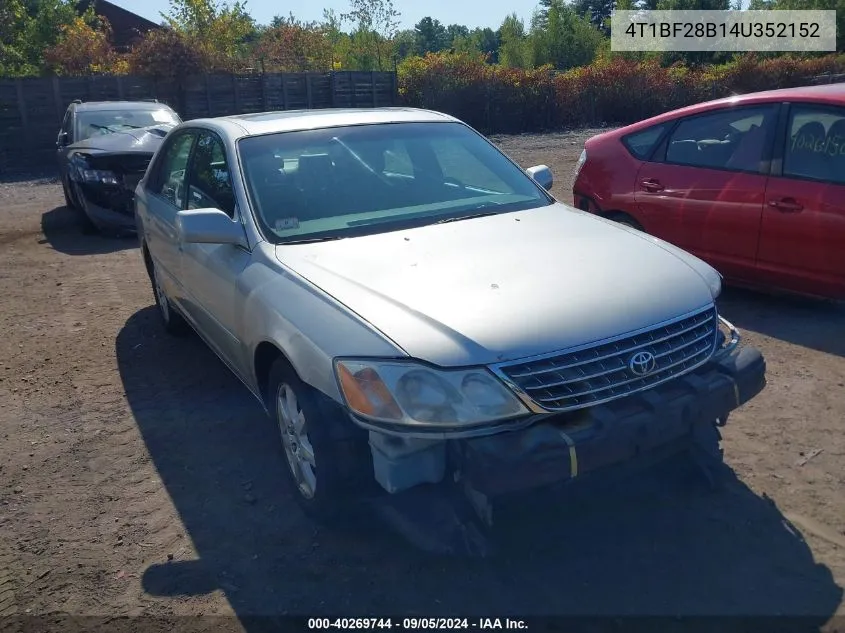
[93,122]
[347,181]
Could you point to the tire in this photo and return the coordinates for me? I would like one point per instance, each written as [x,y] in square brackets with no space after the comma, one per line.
[70,202]
[625,220]
[327,468]
[171,320]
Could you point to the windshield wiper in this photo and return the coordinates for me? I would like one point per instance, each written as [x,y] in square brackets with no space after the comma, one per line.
[471,216]
[312,239]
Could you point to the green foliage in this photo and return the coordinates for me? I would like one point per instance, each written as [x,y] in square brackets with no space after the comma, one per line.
[30,27]
[430,36]
[564,39]
[294,46]
[374,23]
[83,49]
[514,46]
[221,32]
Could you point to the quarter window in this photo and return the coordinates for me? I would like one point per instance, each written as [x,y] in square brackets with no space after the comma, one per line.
[210,182]
[815,144]
[733,139]
[642,143]
[170,181]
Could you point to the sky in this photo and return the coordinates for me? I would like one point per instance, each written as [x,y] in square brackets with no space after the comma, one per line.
[472,13]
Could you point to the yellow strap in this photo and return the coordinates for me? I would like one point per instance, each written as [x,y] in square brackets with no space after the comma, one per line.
[736,389]
[573,456]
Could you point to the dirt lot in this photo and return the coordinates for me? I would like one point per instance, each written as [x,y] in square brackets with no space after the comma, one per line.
[123,448]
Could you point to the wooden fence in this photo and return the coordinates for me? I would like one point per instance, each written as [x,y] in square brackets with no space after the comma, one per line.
[31,109]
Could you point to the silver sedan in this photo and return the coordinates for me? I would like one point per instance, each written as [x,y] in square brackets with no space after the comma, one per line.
[416,312]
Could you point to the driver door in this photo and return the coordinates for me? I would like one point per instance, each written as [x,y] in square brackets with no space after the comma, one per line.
[211,271]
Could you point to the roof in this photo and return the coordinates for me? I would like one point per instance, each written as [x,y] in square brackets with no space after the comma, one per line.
[826,93]
[294,120]
[126,25]
[120,105]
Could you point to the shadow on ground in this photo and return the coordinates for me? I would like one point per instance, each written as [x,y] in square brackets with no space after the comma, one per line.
[652,547]
[65,230]
[811,323]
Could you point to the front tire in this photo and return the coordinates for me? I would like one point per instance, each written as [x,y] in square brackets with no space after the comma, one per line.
[70,202]
[325,465]
[171,320]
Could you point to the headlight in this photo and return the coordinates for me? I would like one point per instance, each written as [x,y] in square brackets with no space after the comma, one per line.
[410,393]
[99,175]
[714,281]
[581,160]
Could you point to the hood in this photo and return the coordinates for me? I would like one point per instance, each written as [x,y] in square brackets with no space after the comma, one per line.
[508,286]
[141,140]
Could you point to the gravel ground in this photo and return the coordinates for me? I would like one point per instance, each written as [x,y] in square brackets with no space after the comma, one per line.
[138,477]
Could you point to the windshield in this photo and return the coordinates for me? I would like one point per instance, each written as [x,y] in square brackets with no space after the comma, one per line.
[357,180]
[93,122]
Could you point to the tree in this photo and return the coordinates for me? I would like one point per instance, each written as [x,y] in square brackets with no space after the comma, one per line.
[28,28]
[484,41]
[221,31]
[405,43]
[430,36]
[375,23]
[567,40]
[167,53]
[597,12]
[294,46]
[84,50]
[837,5]
[454,31]
[513,48]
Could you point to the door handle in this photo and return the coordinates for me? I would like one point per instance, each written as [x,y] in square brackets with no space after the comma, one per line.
[786,205]
[651,185]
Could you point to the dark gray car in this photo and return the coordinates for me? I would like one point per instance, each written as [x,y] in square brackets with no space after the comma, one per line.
[104,148]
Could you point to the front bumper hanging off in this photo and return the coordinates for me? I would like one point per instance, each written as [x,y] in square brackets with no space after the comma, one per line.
[563,448]
[449,516]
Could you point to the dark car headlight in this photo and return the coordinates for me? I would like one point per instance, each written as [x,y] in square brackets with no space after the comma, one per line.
[101,176]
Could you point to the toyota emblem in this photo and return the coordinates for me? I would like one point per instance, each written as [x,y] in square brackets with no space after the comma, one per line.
[642,363]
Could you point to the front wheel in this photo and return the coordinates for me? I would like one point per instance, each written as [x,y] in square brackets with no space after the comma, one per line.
[324,468]
[70,203]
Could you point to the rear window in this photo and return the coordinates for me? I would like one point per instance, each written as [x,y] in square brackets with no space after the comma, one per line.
[642,143]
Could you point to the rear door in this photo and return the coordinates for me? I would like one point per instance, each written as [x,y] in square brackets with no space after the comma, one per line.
[706,185]
[802,241]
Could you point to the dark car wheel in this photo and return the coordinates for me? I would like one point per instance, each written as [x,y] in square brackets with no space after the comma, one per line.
[325,470]
[70,201]
[172,321]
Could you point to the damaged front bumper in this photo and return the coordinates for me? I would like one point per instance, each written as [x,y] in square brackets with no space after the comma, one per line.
[109,207]
[556,449]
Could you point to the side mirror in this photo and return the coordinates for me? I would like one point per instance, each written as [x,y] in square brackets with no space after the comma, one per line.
[208,226]
[542,175]
[61,141]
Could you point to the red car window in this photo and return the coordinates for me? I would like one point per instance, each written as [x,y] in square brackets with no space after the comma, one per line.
[815,145]
[733,139]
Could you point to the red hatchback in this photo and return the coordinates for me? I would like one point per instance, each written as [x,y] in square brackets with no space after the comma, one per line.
[753,184]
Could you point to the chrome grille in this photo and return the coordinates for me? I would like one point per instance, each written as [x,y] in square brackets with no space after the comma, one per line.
[602,372]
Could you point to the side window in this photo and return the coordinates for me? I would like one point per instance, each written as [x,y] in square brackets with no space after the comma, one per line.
[642,143]
[170,176]
[66,125]
[815,143]
[732,139]
[210,184]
